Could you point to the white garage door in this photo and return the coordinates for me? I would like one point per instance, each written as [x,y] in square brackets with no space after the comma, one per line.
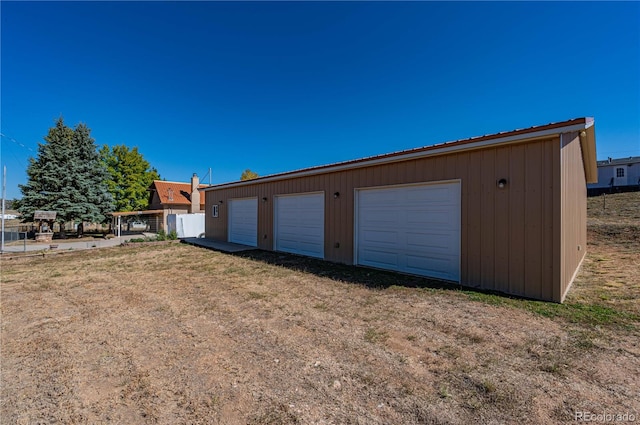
[243,221]
[299,224]
[413,229]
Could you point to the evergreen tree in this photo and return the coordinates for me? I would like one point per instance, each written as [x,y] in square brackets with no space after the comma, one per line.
[130,176]
[67,177]
[91,179]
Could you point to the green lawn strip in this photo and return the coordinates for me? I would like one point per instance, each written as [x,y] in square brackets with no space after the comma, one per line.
[580,313]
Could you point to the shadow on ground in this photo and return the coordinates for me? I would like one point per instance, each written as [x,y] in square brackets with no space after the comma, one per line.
[371,278]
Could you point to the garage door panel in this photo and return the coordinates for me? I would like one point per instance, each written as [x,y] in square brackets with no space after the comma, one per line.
[433,267]
[243,221]
[243,234]
[287,245]
[288,215]
[427,216]
[381,217]
[383,259]
[438,253]
[380,237]
[299,224]
[418,195]
[291,238]
[294,226]
[308,248]
[311,221]
[284,236]
[374,197]
[418,232]
[430,242]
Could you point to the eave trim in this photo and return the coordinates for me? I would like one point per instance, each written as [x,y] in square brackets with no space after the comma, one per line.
[582,124]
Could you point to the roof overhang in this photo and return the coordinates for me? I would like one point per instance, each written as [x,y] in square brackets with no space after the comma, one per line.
[588,147]
[474,143]
[146,212]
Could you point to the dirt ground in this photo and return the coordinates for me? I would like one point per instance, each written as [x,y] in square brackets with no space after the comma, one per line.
[167,333]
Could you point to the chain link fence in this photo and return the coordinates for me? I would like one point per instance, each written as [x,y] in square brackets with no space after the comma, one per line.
[12,234]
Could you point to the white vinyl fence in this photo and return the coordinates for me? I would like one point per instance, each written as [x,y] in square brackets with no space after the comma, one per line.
[186,225]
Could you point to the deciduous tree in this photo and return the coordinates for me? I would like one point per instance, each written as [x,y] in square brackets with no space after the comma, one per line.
[248,175]
[130,176]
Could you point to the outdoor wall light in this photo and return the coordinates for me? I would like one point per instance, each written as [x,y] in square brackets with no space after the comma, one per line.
[336,195]
[221,202]
[502,183]
[264,199]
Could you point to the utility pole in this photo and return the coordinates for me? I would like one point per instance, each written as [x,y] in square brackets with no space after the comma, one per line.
[4,195]
[209,176]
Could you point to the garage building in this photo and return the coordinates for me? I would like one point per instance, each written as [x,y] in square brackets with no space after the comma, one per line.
[503,212]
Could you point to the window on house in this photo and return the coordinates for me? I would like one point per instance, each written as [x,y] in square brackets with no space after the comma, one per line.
[619,172]
[214,211]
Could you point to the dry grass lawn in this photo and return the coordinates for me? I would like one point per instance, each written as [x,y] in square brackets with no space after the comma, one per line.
[173,334]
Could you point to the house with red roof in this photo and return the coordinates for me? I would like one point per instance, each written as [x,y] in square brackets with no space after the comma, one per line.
[166,198]
[176,197]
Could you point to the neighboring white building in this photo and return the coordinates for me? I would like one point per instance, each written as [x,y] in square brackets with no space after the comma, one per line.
[617,175]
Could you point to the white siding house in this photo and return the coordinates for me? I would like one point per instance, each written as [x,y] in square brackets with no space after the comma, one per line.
[617,175]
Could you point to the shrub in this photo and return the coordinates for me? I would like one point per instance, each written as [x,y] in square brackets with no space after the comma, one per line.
[162,235]
[173,235]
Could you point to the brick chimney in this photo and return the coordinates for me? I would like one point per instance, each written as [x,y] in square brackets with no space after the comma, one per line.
[195,194]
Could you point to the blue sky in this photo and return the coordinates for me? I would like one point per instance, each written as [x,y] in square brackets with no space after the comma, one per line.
[278,86]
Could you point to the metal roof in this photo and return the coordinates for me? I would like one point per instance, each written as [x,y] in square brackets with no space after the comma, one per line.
[619,161]
[505,137]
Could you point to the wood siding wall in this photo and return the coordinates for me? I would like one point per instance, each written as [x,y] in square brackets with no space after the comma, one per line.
[508,241]
[154,203]
[574,212]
